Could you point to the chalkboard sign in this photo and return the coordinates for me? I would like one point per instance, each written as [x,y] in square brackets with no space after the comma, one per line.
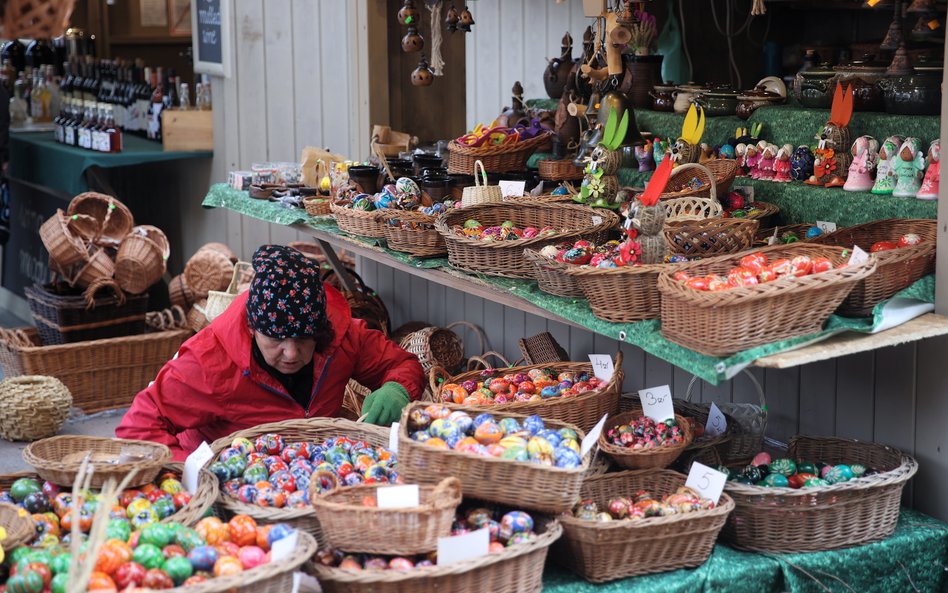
[25,259]
[210,37]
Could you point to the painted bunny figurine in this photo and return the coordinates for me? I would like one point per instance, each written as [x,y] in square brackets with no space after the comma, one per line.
[908,167]
[929,189]
[686,149]
[865,152]
[832,157]
[885,176]
[782,164]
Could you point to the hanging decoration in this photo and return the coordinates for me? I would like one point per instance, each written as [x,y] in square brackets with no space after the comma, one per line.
[422,75]
[452,19]
[758,8]
[408,14]
[412,41]
[467,20]
[437,61]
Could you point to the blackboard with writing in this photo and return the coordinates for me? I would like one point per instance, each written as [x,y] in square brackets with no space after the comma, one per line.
[210,37]
[25,259]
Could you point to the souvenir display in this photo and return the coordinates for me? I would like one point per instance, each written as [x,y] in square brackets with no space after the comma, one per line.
[801,163]
[831,164]
[642,505]
[765,165]
[783,472]
[506,231]
[908,167]
[865,153]
[756,269]
[885,173]
[782,164]
[600,186]
[646,433]
[535,385]
[686,149]
[929,189]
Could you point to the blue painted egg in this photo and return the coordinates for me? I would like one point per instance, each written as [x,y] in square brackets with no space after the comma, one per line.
[566,458]
[515,522]
[560,191]
[463,420]
[220,470]
[838,474]
[298,499]
[482,418]
[236,465]
[203,557]
[229,453]
[420,436]
[814,232]
[509,425]
[255,473]
[550,391]
[533,424]
[247,493]
[230,487]
[776,481]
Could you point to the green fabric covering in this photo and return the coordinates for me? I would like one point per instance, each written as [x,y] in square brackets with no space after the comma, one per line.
[911,560]
[35,157]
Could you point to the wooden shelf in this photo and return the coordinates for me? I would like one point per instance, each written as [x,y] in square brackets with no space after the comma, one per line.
[148,40]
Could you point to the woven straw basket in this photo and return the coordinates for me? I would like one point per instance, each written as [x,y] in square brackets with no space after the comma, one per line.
[495,159]
[656,458]
[179,293]
[317,205]
[58,459]
[360,223]
[820,518]
[798,230]
[114,219]
[35,19]
[197,318]
[679,209]
[99,268]
[420,239]
[18,525]
[32,407]
[718,176]
[207,270]
[218,300]
[606,551]
[621,295]
[551,275]
[710,236]
[141,259]
[222,248]
[561,170]
[65,238]
[480,192]
[435,346]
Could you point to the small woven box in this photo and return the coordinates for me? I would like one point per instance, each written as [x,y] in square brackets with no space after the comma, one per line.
[32,407]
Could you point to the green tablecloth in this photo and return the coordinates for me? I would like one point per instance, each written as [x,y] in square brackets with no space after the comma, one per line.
[35,157]
[913,559]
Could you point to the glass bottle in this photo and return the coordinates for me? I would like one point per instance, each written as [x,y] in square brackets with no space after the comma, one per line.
[40,98]
[113,132]
[18,107]
[83,130]
[71,123]
[100,135]
[184,97]
[157,104]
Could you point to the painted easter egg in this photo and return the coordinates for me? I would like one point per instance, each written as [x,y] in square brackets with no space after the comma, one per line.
[148,555]
[514,522]
[776,480]
[179,569]
[203,557]
[909,240]
[251,557]
[129,574]
[838,474]
[783,466]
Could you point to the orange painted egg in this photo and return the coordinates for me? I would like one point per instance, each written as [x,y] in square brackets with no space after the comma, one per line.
[227,565]
[243,530]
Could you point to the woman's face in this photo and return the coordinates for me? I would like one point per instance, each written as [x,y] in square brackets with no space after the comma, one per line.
[288,355]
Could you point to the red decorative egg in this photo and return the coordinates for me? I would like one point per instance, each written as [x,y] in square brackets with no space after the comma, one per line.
[909,240]
[129,574]
[882,246]
[243,530]
[156,578]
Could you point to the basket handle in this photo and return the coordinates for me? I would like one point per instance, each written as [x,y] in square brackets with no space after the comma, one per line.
[98,285]
[239,268]
[447,490]
[617,366]
[477,164]
[760,390]
[482,360]
[326,476]
[711,178]
[16,337]
[481,336]
[436,376]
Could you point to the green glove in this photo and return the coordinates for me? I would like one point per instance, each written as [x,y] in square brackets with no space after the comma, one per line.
[384,405]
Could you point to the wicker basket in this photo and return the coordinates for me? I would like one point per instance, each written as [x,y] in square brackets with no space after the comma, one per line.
[219,300]
[525,485]
[606,551]
[18,525]
[561,170]
[710,237]
[115,220]
[725,322]
[400,531]
[551,275]
[313,429]
[197,316]
[657,458]
[207,270]
[421,241]
[317,205]
[100,267]
[822,518]
[622,295]
[360,223]
[221,248]
[895,269]
[63,317]
[364,303]
[583,410]
[57,459]
[542,349]
[495,159]
[435,346]
[765,210]
[35,19]
[480,192]
[515,569]
[679,209]
[65,239]
[718,176]
[140,261]
[100,374]
[32,407]
[505,258]
[180,293]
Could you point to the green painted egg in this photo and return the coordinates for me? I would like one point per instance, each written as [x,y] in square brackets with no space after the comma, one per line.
[807,468]
[776,481]
[188,539]
[118,529]
[23,488]
[178,568]
[858,470]
[148,555]
[783,466]
[813,482]
[838,474]
[27,582]
[59,582]
[60,564]
[156,534]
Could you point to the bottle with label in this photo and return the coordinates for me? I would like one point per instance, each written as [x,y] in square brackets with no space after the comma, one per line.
[71,123]
[157,104]
[97,130]
[113,132]
[58,130]
[84,131]
[18,106]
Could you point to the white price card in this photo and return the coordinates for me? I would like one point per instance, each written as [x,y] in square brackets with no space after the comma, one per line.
[657,403]
[398,497]
[283,547]
[592,436]
[708,482]
[193,464]
[717,423]
[826,227]
[393,437]
[858,257]
[303,583]
[512,189]
[457,548]
[602,366]
[597,220]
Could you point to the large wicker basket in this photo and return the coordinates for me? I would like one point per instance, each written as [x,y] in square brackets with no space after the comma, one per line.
[895,269]
[710,236]
[722,323]
[114,218]
[361,223]
[18,525]
[551,275]
[58,459]
[400,531]
[621,295]
[515,569]
[63,317]
[657,458]
[313,429]
[561,170]
[606,551]
[100,374]
[523,484]
[496,159]
[583,410]
[505,258]
[820,518]
[420,239]
[721,171]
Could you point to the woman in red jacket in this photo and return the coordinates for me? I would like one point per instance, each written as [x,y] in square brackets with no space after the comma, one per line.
[285,349]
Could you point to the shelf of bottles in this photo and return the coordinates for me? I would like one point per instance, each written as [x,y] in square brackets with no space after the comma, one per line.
[95,102]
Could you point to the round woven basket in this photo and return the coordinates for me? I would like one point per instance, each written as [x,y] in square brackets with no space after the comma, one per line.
[764,211]
[141,260]
[317,206]
[222,248]
[620,295]
[435,346]
[33,19]
[114,218]
[18,525]
[66,238]
[99,268]
[361,223]
[207,270]
[710,237]
[58,459]
[412,232]
[678,209]
[656,458]
[551,275]
[32,407]
[562,170]
[180,293]
[718,175]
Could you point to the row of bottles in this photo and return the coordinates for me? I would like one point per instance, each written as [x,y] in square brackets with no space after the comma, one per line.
[89,125]
[36,96]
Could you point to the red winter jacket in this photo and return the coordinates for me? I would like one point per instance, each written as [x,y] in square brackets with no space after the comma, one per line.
[214,387]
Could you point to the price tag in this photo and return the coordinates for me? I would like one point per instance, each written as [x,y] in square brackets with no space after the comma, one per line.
[826,227]
[858,257]
[193,464]
[512,189]
[393,437]
[398,497]
[657,403]
[597,220]
[303,583]
[708,482]
[592,437]
[282,548]
[459,548]
[717,423]
[602,366]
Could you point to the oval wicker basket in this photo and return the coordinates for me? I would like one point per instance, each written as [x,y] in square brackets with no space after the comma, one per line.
[621,295]
[412,232]
[99,268]
[496,159]
[863,510]
[197,315]
[728,321]
[505,258]
[561,170]
[400,531]
[610,550]
[141,260]
[115,220]
[718,176]
[18,525]
[551,275]
[764,210]
[313,429]
[222,248]
[896,269]
[435,346]
[583,410]
[360,223]
[65,238]
[32,407]
[656,458]
[317,205]
[710,237]
[58,459]
[207,270]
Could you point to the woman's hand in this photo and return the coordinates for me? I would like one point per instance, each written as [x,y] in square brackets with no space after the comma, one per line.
[384,405]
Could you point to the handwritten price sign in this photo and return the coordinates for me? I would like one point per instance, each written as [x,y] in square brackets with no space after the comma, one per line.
[707,481]
[657,403]
[603,367]
[717,423]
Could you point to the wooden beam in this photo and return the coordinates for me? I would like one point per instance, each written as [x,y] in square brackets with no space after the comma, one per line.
[941,262]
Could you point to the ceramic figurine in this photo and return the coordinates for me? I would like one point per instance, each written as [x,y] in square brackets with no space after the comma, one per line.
[643,154]
[885,177]
[765,166]
[801,164]
[600,185]
[782,164]
[517,112]
[865,153]
[831,164]
[686,149]
[740,155]
[557,71]
[648,216]
[908,167]
[752,156]
[929,189]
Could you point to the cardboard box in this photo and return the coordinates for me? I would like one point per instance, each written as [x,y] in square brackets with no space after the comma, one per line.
[187,130]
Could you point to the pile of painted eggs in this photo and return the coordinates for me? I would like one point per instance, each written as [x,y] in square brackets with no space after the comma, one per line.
[51,507]
[643,505]
[792,237]
[646,433]
[787,473]
[756,269]
[160,556]
[533,385]
[506,529]
[270,472]
[506,231]
[404,194]
[434,210]
[484,435]
[906,240]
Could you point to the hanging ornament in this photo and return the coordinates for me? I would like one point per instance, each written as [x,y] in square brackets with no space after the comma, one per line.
[452,19]
[408,14]
[412,41]
[422,75]
[437,38]
[466,20]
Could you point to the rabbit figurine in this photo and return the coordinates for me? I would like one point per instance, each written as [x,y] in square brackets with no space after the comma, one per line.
[601,185]
[782,164]
[929,189]
[908,167]
[686,149]
[648,215]
[832,159]
[643,155]
[885,176]
[865,152]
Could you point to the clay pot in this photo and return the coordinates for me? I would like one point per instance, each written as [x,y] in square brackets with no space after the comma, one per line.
[863,77]
[717,102]
[646,73]
[663,97]
[916,94]
[813,88]
[366,176]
